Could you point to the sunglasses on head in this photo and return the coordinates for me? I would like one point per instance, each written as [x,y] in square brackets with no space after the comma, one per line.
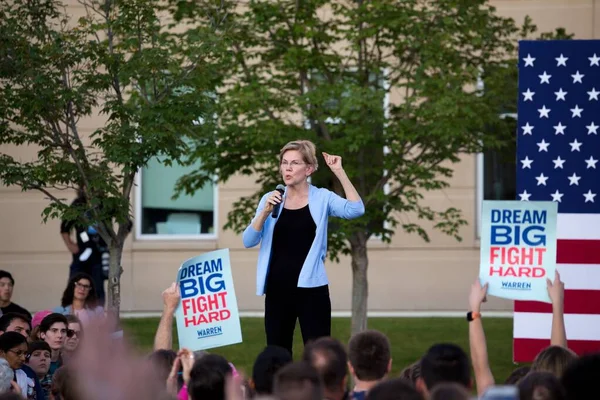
[72,332]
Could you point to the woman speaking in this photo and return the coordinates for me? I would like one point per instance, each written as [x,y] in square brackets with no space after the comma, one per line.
[292,230]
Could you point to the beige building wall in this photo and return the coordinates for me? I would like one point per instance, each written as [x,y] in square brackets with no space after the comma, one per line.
[406,275]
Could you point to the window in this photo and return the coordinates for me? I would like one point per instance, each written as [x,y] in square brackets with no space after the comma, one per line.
[161,217]
[496,175]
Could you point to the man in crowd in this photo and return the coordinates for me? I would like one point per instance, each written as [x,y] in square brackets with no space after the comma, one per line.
[13,322]
[328,356]
[444,362]
[53,330]
[370,361]
[7,284]
[298,381]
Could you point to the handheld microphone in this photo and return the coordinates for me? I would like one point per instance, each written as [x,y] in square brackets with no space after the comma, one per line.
[281,189]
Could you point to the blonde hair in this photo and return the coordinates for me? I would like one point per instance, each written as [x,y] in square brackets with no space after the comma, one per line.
[553,359]
[306,148]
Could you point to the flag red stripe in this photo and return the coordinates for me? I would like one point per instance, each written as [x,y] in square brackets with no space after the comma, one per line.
[576,302]
[525,350]
[578,251]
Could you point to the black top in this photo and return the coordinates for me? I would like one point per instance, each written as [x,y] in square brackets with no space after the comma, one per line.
[293,235]
[15,308]
[87,236]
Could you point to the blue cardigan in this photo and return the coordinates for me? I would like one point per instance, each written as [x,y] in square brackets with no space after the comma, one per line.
[322,203]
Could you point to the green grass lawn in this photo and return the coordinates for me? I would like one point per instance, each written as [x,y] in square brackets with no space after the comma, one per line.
[410,338]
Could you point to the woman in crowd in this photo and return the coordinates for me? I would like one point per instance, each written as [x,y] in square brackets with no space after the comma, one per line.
[13,348]
[291,270]
[79,299]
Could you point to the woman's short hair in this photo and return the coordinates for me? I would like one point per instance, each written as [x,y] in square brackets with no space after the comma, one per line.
[553,359]
[304,147]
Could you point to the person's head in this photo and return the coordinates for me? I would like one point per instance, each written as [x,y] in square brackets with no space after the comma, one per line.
[64,384]
[266,365]
[298,381]
[13,348]
[38,357]
[444,362]
[553,359]
[207,378]
[540,386]
[53,330]
[450,391]
[74,333]
[581,377]
[517,374]
[412,372]
[7,284]
[394,389]
[6,375]
[13,322]
[328,356]
[80,287]
[369,356]
[297,161]
[162,361]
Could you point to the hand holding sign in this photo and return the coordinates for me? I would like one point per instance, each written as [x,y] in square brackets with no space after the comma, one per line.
[477,295]
[556,289]
[518,248]
[207,315]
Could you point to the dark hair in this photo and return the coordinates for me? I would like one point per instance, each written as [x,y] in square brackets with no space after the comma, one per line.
[298,381]
[581,377]
[64,384]
[518,374]
[329,358]
[8,318]
[6,274]
[266,365]
[38,345]
[207,378]
[445,362]
[450,391]
[91,301]
[369,353]
[412,372]
[162,360]
[541,386]
[50,320]
[10,340]
[72,319]
[10,396]
[394,389]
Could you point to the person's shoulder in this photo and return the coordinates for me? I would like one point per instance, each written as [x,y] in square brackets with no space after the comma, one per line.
[28,371]
[320,192]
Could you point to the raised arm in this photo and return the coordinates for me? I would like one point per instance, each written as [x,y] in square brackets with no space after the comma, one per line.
[163,340]
[350,207]
[477,343]
[556,291]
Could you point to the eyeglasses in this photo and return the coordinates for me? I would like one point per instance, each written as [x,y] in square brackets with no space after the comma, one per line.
[293,164]
[19,353]
[82,286]
[73,332]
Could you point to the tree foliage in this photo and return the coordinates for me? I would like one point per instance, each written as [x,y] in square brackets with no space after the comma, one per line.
[120,61]
[389,85]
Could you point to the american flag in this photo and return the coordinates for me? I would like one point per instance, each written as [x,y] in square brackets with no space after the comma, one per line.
[558,159]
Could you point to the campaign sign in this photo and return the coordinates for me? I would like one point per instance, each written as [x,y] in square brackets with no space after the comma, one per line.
[207,315]
[518,248]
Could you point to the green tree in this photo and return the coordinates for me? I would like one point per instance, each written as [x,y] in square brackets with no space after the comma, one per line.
[120,61]
[322,70]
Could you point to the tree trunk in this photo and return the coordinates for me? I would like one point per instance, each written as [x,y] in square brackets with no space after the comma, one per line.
[360,285]
[114,277]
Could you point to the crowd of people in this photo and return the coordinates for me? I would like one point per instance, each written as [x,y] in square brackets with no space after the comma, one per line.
[47,356]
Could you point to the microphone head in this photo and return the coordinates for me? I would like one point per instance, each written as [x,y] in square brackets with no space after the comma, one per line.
[280,188]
